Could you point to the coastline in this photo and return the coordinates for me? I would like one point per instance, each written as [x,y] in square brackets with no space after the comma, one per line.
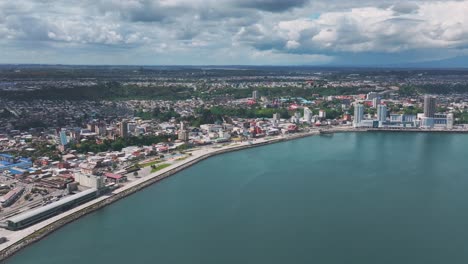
[22,238]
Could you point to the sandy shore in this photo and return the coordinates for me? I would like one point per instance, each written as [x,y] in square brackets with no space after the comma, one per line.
[21,238]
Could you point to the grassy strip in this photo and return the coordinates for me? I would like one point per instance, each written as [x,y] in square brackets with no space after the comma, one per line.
[143,165]
[160,167]
[183,158]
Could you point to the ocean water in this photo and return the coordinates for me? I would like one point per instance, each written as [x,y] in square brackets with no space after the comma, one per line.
[354,198]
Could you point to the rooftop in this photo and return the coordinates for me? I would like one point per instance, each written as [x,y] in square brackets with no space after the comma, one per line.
[31,213]
[113,176]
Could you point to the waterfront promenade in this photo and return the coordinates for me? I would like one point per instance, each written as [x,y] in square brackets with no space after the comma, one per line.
[21,238]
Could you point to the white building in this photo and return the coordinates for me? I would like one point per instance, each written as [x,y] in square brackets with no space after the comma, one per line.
[276,118]
[91,181]
[322,114]
[366,124]
[402,118]
[382,113]
[375,102]
[450,121]
[427,122]
[296,117]
[439,120]
[307,115]
[358,114]
[255,95]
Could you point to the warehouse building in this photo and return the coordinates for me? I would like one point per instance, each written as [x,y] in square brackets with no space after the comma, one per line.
[11,197]
[36,215]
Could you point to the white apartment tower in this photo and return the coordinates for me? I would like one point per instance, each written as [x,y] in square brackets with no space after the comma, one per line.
[255,95]
[307,115]
[382,113]
[358,114]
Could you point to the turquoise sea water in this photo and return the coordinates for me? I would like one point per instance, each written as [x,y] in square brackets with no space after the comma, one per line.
[351,198]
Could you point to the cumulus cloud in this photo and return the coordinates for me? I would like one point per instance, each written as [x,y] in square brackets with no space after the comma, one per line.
[368,29]
[255,31]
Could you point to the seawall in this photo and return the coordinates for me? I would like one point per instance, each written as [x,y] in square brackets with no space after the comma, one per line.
[418,131]
[48,229]
[62,221]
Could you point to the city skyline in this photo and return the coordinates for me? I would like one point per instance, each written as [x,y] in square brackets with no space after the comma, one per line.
[74,139]
[260,32]
[233,131]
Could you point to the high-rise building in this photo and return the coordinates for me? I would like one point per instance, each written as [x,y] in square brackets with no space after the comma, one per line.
[307,114]
[358,114]
[382,113]
[450,121]
[429,106]
[375,102]
[101,129]
[63,137]
[255,95]
[123,129]
[183,135]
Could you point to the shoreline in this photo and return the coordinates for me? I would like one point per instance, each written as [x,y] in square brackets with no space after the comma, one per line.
[23,238]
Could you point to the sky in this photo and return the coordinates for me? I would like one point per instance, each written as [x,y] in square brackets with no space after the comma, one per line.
[232,32]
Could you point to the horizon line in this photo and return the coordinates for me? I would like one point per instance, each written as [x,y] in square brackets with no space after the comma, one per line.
[243,65]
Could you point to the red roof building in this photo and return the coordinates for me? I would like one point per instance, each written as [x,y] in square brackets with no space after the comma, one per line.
[115,177]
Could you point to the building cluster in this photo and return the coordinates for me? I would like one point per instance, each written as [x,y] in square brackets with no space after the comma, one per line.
[14,165]
[46,176]
[429,119]
[38,113]
[76,172]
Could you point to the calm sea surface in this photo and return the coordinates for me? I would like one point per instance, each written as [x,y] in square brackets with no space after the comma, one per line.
[369,198]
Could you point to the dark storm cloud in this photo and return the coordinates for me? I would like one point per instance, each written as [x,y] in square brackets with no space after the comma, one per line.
[28,28]
[142,10]
[187,33]
[271,5]
[405,8]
